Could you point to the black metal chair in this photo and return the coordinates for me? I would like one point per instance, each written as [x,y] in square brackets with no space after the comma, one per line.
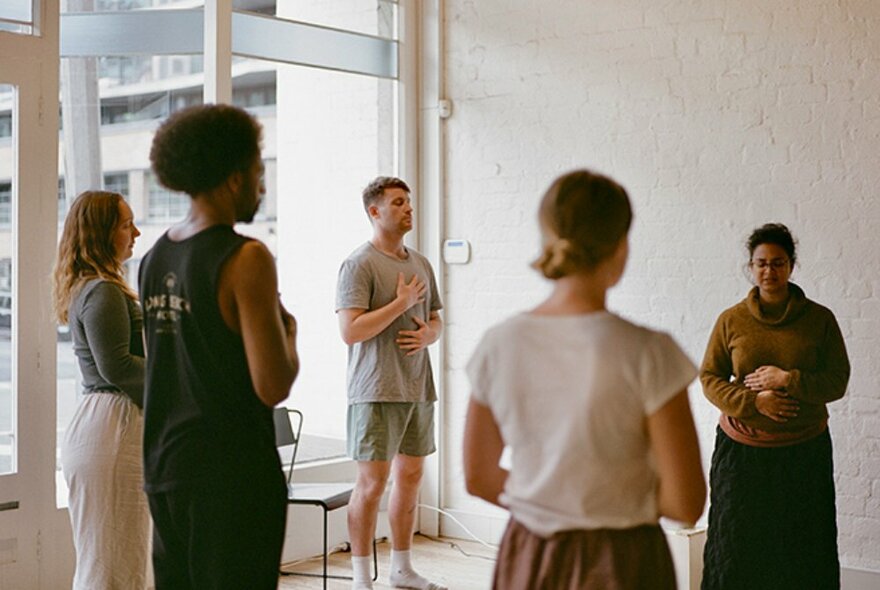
[329,496]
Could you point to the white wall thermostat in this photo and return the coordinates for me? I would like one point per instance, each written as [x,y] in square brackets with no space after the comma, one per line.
[456,251]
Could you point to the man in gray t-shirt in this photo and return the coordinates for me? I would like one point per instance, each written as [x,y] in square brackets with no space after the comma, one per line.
[388,309]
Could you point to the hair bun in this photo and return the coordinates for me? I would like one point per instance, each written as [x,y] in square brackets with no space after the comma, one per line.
[555,261]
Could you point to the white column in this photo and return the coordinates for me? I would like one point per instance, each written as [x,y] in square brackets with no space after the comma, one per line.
[421,162]
[218,51]
[81,117]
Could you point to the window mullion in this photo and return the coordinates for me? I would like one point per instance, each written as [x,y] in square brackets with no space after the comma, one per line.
[218,51]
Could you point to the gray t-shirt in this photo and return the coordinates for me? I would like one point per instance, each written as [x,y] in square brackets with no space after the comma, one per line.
[378,370]
[107,332]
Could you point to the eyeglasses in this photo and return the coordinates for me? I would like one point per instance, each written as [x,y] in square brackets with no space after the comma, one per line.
[775,264]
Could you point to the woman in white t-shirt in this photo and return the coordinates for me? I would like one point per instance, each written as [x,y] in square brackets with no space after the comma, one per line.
[595,412]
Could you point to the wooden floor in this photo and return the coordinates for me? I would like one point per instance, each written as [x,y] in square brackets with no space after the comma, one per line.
[442,561]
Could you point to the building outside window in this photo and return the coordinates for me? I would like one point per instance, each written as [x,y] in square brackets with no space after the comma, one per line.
[117,182]
[336,131]
[5,204]
[164,205]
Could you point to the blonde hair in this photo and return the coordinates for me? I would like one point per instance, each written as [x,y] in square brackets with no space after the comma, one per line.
[583,217]
[86,250]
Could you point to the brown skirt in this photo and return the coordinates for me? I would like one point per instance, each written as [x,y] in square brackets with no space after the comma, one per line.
[607,559]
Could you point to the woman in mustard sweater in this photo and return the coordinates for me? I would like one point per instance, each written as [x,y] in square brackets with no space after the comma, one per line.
[773,362]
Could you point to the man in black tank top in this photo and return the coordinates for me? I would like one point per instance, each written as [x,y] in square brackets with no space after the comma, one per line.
[221,352]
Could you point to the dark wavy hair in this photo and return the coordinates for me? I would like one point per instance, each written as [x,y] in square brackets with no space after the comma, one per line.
[773,233]
[583,217]
[196,149]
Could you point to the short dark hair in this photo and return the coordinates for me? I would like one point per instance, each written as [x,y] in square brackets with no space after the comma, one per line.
[773,233]
[199,147]
[374,191]
[583,218]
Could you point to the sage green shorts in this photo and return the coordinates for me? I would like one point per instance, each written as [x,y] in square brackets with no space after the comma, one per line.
[377,431]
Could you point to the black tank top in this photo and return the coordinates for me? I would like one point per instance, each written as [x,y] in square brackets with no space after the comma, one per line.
[202,418]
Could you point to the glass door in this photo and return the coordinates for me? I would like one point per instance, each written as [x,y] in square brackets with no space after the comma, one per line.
[30,523]
[13,464]
[8,423]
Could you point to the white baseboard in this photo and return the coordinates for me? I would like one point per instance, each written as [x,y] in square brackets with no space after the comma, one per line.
[859,579]
[486,528]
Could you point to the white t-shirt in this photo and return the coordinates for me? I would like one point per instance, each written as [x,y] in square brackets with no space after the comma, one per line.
[571,395]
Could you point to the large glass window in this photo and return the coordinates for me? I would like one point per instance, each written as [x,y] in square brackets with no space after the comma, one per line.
[8,422]
[5,119]
[326,134]
[164,205]
[106,145]
[5,204]
[117,182]
[17,16]
[119,5]
[254,88]
[370,17]
[336,132]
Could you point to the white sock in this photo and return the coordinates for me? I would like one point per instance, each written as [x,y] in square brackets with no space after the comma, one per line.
[404,576]
[361,573]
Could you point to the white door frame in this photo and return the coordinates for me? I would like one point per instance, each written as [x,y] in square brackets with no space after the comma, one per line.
[35,547]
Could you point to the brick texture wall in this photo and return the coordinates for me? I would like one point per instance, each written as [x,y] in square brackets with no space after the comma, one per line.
[717,117]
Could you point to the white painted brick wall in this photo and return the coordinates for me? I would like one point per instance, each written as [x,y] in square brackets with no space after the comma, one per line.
[717,117]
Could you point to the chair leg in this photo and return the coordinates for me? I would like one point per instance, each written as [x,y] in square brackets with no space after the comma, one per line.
[326,574]
[325,549]
[375,561]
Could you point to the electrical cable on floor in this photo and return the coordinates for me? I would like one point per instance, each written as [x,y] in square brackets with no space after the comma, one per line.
[457,547]
[466,530]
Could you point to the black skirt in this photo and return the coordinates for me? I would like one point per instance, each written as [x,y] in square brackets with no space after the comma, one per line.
[772,518]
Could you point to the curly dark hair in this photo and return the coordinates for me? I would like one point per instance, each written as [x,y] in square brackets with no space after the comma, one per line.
[773,233]
[199,147]
[374,191]
[583,217]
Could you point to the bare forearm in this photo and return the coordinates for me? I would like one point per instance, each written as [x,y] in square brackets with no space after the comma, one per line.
[248,293]
[488,484]
[483,446]
[293,355]
[681,492]
[272,384]
[290,332]
[371,323]
[682,502]
[436,325]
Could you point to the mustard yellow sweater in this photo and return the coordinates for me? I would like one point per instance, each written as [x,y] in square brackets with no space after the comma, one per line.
[805,340]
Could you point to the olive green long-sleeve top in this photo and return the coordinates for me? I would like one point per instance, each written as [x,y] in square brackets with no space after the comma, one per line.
[107,331]
[805,340]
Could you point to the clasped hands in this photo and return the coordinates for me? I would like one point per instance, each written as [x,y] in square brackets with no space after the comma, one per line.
[772,399]
[413,341]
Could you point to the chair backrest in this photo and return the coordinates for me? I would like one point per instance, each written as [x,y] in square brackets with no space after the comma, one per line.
[288,428]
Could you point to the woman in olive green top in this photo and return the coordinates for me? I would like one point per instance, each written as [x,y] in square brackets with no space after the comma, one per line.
[101,455]
[772,363]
